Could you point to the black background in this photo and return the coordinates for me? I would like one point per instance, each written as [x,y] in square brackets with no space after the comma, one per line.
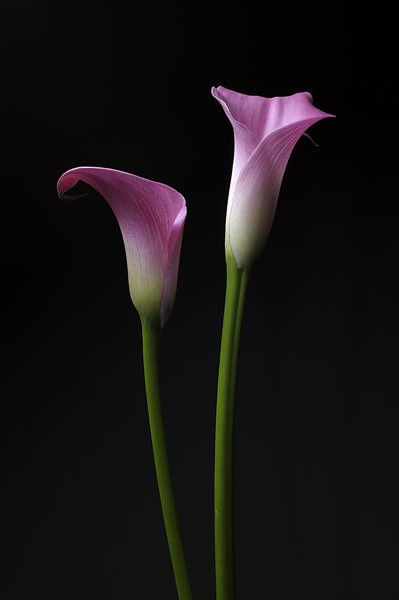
[317,414]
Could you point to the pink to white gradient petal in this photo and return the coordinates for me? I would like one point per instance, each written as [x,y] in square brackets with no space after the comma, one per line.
[151,218]
[265,133]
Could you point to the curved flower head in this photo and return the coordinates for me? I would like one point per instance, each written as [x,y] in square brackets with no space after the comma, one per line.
[151,218]
[265,133]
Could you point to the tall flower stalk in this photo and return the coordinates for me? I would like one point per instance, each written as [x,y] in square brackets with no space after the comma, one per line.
[151,334]
[237,281]
[265,133]
[151,217]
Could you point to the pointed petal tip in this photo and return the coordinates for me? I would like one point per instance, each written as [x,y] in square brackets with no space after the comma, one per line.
[326,115]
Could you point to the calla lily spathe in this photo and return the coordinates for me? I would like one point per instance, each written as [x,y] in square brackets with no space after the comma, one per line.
[265,133]
[151,218]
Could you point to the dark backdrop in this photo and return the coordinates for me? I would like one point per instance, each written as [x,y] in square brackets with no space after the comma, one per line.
[317,414]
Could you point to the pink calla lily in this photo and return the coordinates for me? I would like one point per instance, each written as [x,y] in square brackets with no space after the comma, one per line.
[151,218]
[265,133]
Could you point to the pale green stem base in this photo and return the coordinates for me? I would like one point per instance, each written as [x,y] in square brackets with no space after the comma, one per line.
[224,440]
[151,332]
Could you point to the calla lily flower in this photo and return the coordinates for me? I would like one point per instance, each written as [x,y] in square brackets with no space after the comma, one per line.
[265,133]
[151,218]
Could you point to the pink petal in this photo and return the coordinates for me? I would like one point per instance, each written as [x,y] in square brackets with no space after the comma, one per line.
[254,201]
[151,218]
[172,267]
[265,133]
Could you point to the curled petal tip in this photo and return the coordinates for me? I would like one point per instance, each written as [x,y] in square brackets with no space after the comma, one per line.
[214,91]
[66,182]
[218,91]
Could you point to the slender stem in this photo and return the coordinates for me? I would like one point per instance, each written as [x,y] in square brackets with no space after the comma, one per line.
[237,331]
[151,332]
[224,439]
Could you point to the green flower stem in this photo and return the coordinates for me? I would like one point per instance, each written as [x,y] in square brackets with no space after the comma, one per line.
[224,440]
[151,333]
